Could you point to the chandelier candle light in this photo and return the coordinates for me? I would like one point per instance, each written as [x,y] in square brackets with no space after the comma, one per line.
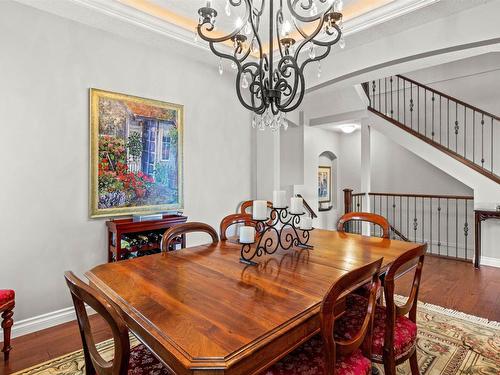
[271,82]
[281,229]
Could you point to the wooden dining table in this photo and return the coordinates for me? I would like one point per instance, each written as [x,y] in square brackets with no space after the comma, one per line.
[201,311]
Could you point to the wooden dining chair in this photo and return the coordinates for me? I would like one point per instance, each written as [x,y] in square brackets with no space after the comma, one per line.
[328,353]
[7,304]
[234,219]
[138,360]
[394,334]
[366,217]
[177,230]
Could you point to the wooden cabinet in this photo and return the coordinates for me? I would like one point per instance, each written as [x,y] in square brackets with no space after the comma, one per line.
[120,228]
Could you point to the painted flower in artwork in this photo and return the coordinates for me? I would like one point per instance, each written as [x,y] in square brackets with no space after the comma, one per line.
[138,155]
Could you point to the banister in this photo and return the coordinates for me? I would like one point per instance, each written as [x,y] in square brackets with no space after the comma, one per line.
[461,102]
[424,195]
[307,207]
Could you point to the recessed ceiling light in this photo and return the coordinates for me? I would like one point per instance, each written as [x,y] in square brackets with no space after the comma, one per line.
[348,128]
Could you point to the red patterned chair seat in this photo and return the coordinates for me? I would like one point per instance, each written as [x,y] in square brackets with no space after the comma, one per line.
[309,359]
[143,362]
[6,296]
[405,333]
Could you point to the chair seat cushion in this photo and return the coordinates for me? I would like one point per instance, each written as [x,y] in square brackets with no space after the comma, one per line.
[346,327]
[143,362]
[309,359]
[6,296]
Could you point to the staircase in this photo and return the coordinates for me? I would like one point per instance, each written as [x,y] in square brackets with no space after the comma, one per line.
[460,130]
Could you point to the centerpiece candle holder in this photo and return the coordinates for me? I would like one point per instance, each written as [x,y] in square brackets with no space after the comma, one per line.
[280,230]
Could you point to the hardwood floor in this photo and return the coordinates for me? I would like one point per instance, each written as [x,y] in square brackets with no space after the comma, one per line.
[452,284]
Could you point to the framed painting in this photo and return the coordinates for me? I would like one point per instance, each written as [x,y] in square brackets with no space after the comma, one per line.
[135,155]
[324,184]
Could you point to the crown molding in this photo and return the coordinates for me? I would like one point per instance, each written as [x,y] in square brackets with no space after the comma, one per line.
[111,15]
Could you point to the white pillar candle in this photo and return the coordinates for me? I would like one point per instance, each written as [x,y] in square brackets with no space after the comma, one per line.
[296,205]
[247,234]
[279,199]
[306,223]
[259,210]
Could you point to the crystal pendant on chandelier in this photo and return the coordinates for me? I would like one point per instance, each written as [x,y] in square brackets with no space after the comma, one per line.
[312,52]
[227,8]
[270,120]
[244,82]
[319,69]
[342,42]
[195,37]
[221,69]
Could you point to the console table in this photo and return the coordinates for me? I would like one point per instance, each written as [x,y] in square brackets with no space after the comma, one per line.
[120,227]
[479,217]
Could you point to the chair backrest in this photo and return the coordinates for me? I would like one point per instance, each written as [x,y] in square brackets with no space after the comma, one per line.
[232,220]
[180,229]
[403,263]
[368,217]
[82,294]
[345,284]
[246,206]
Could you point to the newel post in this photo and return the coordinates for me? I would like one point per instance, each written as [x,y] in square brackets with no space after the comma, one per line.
[347,200]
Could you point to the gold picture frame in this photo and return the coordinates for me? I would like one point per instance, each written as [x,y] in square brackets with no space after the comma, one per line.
[136,155]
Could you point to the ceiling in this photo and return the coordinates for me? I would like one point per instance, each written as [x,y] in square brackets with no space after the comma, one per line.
[358,14]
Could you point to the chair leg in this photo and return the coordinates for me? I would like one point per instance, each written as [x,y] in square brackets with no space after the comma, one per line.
[414,364]
[7,323]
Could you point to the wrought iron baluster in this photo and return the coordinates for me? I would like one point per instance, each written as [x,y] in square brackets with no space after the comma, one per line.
[432,116]
[400,214]
[418,109]
[456,228]
[392,111]
[447,227]
[482,140]
[373,92]
[423,221]
[393,211]
[379,97]
[407,217]
[440,119]
[430,225]
[456,127]
[415,223]
[448,121]
[425,112]
[474,136]
[466,231]
[465,132]
[439,226]
[399,87]
[492,139]
[385,96]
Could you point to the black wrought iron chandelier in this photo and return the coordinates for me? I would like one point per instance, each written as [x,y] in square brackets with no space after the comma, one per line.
[267,88]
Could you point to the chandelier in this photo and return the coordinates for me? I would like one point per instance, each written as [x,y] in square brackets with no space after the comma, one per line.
[271,82]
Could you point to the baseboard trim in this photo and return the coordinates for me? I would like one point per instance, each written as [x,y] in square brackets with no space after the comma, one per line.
[492,262]
[48,320]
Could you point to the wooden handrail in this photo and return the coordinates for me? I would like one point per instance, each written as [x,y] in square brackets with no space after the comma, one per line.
[307,207]
[476,109]
[469,197]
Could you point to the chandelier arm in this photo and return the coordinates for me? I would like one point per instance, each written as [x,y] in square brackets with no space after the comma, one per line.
[279,19]
[292,4]
[299,99]
[285,64]
[201,27]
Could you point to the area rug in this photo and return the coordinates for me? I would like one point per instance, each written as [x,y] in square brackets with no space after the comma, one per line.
[449,342]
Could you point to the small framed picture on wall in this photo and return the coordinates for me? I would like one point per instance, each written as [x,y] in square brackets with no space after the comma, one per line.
[324,185]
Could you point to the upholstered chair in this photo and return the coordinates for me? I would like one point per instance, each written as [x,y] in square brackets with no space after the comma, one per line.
[328,353]
[7,303]
[394,333]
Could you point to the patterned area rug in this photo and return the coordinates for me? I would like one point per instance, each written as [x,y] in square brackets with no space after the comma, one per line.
[449,343]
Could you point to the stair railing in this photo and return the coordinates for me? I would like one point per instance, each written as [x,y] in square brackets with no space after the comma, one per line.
[444,222]
[463,131]
[307,206]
